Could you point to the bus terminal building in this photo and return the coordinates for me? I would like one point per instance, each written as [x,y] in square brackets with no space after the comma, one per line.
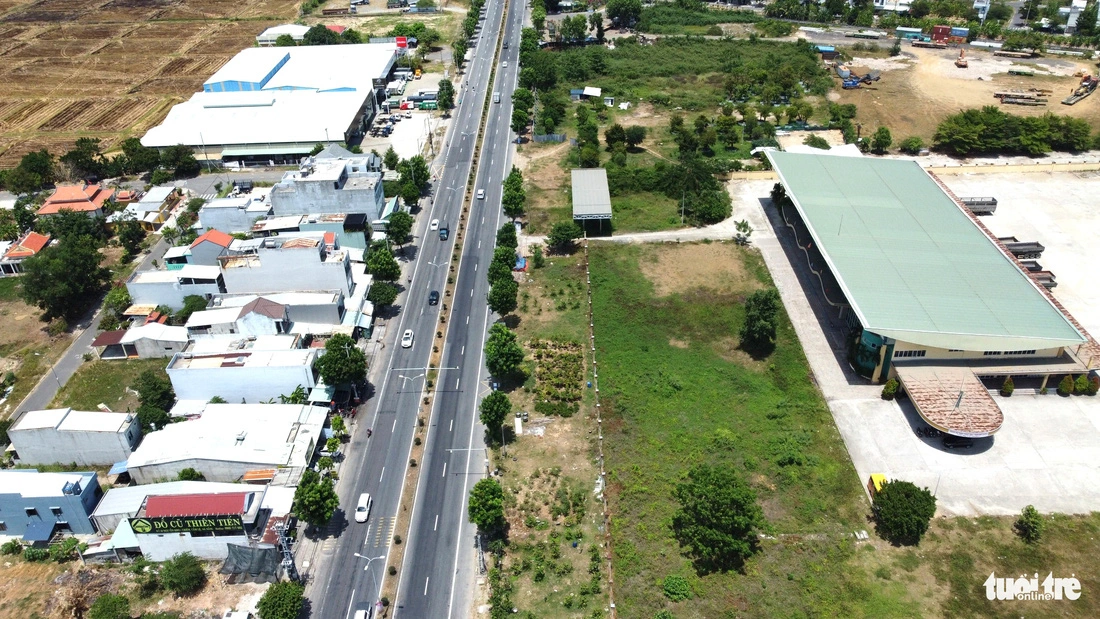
[931,297]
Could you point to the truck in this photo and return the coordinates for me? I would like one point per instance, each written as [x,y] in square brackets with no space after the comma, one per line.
[444,231]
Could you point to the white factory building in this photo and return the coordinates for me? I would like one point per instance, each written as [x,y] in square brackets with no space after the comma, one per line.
[228,440]
[276,103]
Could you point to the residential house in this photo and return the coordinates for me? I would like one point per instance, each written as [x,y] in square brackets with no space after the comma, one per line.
[319,307]
[35,505]
[29,245]
[226,441]
[87,438]
[241,376]
[152,210]
[82,198]
[236,213]
[210,246]
[170,287]
[148,341]
[286,264]
[258,317]
[330,183]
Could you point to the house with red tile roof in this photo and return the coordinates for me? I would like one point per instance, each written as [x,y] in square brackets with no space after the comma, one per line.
[206,249]
[13,256]
[82,198]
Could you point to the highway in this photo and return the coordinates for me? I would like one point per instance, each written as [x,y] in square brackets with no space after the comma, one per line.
[439,567]
[350,565]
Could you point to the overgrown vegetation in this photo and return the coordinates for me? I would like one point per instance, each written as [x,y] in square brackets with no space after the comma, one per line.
[993,131]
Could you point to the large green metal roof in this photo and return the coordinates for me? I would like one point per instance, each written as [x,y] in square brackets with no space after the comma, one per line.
[912,263]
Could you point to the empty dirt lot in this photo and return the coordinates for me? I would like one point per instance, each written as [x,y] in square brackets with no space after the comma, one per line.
[112,69]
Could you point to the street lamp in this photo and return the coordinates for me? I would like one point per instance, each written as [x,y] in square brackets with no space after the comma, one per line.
[366,568]
[58,380]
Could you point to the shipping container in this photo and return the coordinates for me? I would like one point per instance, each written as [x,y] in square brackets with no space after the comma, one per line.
[941,33]
[960,32]
[907,33]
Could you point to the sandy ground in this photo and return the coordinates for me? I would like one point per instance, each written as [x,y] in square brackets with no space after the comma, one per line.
[919,88]
[680,268]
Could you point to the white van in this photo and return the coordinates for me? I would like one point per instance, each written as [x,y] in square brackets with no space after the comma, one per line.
[496,97]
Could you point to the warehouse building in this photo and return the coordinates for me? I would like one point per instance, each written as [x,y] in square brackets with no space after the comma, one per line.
[931,297]
[228,440]
[274,104]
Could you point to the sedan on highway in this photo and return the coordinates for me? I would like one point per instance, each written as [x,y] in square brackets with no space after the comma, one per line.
[362,509]
[434,225]
[433,298]
[480,194]
[407,339]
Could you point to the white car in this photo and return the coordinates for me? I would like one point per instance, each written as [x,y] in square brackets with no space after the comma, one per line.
[480,194]
[362,509]
[434,225]
[505,64]
[407,339]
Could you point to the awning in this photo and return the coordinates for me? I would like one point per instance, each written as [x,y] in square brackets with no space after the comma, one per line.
[39,531]
[118,468]
[322,394]
[287,149]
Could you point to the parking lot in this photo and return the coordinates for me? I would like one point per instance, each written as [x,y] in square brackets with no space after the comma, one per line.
[1047,453]
[409,135]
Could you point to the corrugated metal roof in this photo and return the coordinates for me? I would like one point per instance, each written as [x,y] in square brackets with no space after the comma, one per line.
[196,504]
[911,262]
[591,197]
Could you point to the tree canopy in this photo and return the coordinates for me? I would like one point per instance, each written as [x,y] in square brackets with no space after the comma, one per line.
[446,95]
[381,263]
[486,506]
[315,499]
[64,279]
[382,294]
[495,409]
[343,362]
[761,320]
[506,236]
[718,517]
[110,606]
[563,234]
[902,511]
[503,354]
[993,131]
[282,600]
[398,227]
[502,296]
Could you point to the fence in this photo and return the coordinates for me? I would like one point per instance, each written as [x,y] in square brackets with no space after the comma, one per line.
[549,137]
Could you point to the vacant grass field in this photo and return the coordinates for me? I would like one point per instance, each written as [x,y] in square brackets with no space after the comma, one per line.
[677,391]
[106,382]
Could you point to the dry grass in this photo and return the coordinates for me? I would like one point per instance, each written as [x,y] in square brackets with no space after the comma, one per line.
[684,268]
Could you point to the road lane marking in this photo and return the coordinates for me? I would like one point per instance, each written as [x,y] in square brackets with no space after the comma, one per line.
[436,527]
[457,380]
[351,602]
[452,426]
[475,267]
[394,426]
[463,350]
[366,540]
[444,469]
[468,317]
[426,585]
[383,473]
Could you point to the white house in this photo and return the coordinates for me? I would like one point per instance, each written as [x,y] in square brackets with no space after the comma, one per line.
[147,341]
[258,317]
[286,263]
[228,440]
[236,213]
[241,376]
[315,307]
[63,435]
[330,184]
[169,287]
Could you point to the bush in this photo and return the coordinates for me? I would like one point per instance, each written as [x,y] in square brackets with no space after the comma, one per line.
[816,141]
[902,511]
[1008,387]
[1029,526]
[183,574]
[282,600]
[65,550]
[1081,385]
[11,547]
[677,588]
[1066,386]
[110,606]
[911,145]
[35,554]
[1094,384]
[992,131]
[890,389]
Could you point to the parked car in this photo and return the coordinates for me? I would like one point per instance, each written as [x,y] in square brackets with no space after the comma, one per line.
[362,509]
[407,339]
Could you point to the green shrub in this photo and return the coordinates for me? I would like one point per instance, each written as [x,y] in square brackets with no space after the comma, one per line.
[677,588]
[911,145]
[890,389]
[1029,526]
[11,547]
[64,550]
[1066,386]
[902,511]
[1094,384]
[1081,385]
[36,554]
[110,606]
[1008,387]
[183,574]
[816,141]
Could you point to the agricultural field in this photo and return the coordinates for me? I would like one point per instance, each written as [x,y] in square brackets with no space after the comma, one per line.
[113,70]
[920,88]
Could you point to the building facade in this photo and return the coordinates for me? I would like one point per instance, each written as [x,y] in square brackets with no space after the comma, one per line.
[34,505]
[330,185]
[62,435]
[245,376]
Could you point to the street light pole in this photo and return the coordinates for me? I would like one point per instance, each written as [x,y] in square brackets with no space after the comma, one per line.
[366,568]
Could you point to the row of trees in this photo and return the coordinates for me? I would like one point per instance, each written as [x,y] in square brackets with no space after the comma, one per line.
[39,169]
[503,289]
[993,131]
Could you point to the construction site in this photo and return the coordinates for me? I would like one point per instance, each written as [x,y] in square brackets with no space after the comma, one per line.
[112,70]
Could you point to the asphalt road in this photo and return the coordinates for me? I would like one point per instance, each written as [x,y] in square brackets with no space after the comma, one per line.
[438,572]
[349,575]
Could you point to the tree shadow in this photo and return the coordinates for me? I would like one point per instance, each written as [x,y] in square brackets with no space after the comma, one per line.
[511,321]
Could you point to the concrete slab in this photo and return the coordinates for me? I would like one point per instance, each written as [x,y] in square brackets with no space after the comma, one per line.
[1047,453]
